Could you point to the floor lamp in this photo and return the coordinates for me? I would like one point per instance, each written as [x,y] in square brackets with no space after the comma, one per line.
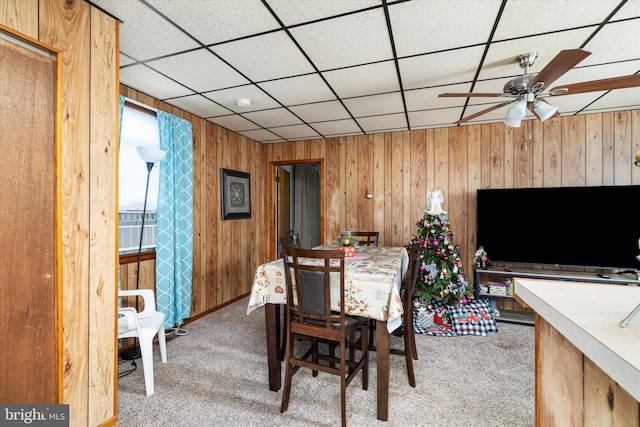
[151,156]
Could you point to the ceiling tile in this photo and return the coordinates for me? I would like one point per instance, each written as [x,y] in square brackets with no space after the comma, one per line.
[430,26]
[261,135]
[272,118]
[427,118]
[262,58]
[200,70]
[615,42]
[200,106]
[623,99]
[375,104]
[320,112]
[427,99]
[631,9]
[295,132]
[383,123]
[298,90]
[141,30]
[440,47]
[502,57]
[296,12]
[214,21]
[337,127]
[348,40]
[228,98]
[143,79]
[364,80]
[234,123]
[440,68]
[557,15]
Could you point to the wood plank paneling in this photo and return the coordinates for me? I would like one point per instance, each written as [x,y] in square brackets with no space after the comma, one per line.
[20,15]
[103,216]
[66,26]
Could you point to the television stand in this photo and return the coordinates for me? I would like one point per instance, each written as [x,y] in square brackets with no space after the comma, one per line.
[493,283]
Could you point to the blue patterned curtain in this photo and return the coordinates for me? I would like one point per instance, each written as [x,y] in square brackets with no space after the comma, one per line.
[174,239]
[120,113]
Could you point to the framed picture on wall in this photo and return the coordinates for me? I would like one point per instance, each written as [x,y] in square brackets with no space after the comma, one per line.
[236,194]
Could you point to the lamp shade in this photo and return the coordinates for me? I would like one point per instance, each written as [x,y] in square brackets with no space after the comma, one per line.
[518,111]
[544,110]
[150,154]
[512,123]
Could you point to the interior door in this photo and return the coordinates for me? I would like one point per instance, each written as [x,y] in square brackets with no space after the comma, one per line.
[27,224]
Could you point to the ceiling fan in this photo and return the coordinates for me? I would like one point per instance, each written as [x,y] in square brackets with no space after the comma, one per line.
[527,90]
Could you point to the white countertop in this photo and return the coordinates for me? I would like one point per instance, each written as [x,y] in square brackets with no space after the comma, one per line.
[588,315]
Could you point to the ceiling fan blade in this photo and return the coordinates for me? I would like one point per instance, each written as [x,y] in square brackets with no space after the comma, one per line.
[472,95]
[473,116]
[597,85]
[563,62]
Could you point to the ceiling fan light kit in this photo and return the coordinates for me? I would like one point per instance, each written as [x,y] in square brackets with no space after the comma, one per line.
[518,111]
[512,123]
[544,110]
[527,88]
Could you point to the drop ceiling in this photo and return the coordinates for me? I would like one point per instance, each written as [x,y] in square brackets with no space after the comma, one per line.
[329,68]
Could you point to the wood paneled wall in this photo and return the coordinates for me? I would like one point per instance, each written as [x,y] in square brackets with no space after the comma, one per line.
[87,39]
[398,168]
[226,253]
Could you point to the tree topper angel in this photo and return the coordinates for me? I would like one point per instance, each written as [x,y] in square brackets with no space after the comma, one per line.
[435,199]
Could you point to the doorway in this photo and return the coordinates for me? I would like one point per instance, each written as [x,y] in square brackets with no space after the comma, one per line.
[297,194]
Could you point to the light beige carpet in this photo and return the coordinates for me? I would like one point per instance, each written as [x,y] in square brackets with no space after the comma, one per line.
[217,375]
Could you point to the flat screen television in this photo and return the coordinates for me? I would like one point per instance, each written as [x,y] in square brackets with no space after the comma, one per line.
[594,227]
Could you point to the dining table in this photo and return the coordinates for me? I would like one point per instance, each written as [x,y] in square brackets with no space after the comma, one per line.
[372,289]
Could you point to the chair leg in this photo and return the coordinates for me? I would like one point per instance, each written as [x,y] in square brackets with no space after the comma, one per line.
[146,351]
[288,374]
[343,384]
[162,342]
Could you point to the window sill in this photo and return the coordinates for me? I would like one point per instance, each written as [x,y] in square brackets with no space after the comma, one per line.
[133,257]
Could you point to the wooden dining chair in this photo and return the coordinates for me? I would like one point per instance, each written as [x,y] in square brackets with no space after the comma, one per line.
[406,330]
[311,320]
[366,238]
[291,240]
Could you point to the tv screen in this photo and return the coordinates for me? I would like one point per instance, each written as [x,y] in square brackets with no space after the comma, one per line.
[569,226]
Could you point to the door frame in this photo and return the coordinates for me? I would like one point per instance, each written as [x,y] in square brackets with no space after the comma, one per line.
[273,200]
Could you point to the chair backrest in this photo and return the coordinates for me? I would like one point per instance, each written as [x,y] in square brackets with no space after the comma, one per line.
[308,276]
[291,240]
[366,238]
[413,269]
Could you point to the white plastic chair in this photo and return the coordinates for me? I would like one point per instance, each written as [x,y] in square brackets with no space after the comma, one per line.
[144,325]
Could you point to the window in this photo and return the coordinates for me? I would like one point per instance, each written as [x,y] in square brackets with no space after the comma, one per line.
[138,128]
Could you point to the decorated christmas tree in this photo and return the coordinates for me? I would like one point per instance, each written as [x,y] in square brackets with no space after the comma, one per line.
[441,272]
